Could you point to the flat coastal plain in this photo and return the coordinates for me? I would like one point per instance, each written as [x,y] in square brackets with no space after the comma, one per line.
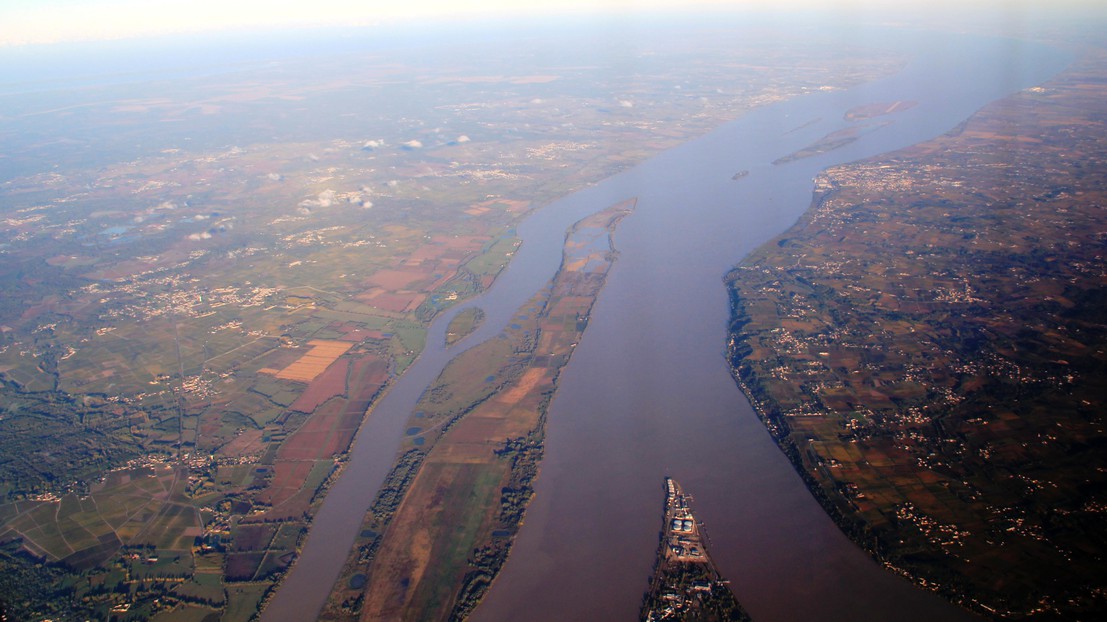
[928,345]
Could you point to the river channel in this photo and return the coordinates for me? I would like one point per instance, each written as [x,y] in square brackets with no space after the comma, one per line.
[648,393]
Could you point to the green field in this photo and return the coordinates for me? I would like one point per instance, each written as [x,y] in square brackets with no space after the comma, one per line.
[156,287]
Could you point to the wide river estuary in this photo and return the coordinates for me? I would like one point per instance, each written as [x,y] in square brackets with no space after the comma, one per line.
[648,392]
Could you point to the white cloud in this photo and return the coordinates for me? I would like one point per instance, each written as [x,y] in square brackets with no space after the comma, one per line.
[463,139]
[323,199]
[413,144]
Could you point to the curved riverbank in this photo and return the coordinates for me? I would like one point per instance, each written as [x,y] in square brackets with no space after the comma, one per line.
[650,392]
[889,344]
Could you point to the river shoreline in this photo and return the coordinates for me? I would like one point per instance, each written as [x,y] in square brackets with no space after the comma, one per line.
[650,392]
[890,403]
[481,422]
[650,382]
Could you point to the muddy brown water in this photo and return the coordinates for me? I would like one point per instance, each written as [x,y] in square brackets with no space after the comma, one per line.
[648,393]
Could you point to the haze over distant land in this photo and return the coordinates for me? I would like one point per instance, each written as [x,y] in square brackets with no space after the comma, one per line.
[275,273]
[217,249]
[59,21]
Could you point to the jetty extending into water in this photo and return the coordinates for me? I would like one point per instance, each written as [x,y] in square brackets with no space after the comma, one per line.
[686,585]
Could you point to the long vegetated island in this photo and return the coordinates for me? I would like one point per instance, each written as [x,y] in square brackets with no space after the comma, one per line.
[927,345]
[444,522]
[208,281]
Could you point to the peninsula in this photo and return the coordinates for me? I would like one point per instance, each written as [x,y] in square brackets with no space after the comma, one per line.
[210,280]
[686,585]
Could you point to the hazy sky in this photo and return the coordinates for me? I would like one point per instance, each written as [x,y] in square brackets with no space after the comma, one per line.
[45,21]
[48,21]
